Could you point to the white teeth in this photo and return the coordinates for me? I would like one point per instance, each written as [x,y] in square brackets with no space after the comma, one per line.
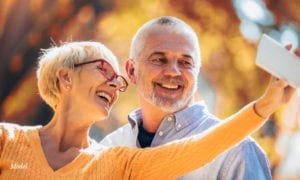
[169,86]
[104,95]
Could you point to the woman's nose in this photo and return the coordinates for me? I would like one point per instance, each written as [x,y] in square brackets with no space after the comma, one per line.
[114,83]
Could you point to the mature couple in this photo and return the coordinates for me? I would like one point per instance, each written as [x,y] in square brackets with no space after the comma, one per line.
[80,81]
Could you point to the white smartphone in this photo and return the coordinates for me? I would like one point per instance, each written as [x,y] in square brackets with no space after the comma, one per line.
[275,59]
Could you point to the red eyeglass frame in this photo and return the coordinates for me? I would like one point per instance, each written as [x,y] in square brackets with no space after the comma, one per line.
[114,75]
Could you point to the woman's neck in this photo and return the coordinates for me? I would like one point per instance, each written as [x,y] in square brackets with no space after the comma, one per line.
[64,133]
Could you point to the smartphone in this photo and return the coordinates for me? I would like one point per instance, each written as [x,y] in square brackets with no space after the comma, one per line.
[278,61]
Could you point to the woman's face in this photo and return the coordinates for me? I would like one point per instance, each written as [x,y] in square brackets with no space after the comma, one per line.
[95,87]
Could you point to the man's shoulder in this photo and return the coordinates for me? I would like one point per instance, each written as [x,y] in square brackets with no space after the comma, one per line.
[244,159]
[250,143]
[247,150]
[125,129]
[123,136]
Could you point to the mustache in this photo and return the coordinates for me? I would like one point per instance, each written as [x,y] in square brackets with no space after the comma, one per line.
[171,80]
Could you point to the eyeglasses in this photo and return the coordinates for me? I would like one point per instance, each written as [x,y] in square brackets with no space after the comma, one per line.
[108,72]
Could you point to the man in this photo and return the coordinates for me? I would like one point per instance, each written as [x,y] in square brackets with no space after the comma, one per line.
[164,65]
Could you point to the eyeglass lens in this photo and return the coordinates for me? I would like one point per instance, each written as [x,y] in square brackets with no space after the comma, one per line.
[109,73]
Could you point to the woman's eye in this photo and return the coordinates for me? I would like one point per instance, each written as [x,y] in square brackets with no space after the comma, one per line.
[101,68]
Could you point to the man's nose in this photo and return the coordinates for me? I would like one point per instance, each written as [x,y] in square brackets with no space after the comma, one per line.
[172,69]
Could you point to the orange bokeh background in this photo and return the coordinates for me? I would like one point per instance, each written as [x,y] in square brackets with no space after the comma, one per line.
[229,77]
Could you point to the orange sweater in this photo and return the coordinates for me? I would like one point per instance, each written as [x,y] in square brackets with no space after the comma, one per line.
[22,157]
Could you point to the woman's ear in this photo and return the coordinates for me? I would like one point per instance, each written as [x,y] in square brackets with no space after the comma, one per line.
[130,70]
[64,77]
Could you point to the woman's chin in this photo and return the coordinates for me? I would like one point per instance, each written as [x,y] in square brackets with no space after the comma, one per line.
[103,113]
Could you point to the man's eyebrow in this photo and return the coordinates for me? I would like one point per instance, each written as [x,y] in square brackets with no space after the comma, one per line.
[187,56]
[163,54]
[156,53]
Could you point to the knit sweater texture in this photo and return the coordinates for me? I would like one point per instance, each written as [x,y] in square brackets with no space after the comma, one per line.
[22,156]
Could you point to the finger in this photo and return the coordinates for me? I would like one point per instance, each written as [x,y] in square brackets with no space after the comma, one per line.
[282,83]
[297,52]
[289,46]
[279,82]
[289,93]
[274,79]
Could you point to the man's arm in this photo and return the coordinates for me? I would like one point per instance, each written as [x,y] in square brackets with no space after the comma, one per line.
[180,157]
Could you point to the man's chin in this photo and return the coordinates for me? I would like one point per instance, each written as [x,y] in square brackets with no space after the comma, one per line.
[169,105]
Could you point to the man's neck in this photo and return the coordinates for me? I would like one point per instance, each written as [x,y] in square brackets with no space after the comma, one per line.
[152,116]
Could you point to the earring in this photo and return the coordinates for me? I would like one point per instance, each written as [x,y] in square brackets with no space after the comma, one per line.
[68,87]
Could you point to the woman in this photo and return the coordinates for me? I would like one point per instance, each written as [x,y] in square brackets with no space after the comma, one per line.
[79,81]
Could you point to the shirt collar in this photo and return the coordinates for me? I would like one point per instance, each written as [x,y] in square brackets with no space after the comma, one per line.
[135,117]
[184,117]
[196,112]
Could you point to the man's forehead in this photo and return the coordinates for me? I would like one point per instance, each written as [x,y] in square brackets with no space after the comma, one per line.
[168,39]
[166,45]
[166,29]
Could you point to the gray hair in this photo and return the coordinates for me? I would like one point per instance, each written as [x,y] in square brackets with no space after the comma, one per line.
[169,23]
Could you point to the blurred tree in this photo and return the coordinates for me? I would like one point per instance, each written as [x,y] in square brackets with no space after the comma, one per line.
[228,57]
[27,26]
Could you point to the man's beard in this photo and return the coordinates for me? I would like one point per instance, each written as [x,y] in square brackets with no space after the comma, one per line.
[168,104]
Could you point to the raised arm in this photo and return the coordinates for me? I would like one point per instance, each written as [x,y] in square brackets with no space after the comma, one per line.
[180,157]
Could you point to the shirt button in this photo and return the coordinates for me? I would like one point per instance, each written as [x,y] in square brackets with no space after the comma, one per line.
[178,126]
[161,133]
[170,118]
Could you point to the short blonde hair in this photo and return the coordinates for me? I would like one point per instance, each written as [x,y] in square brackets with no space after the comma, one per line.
[66,55]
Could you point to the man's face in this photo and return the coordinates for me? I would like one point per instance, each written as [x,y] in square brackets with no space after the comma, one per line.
[166,70]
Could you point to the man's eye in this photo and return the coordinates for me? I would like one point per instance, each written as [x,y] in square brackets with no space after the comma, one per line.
[158,61]
[186,64]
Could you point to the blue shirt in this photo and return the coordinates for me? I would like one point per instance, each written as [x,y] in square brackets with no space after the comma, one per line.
[245,161]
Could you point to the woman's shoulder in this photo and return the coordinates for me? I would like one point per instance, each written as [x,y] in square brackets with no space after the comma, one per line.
[12,129]
[8,125]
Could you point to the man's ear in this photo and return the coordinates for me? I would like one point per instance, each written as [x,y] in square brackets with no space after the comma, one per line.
[130,70]
[64,77]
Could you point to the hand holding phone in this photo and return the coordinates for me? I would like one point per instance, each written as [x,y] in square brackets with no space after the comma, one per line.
[277,60]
